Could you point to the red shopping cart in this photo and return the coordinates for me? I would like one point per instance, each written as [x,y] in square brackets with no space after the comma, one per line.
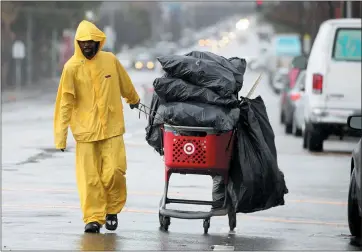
[196,150]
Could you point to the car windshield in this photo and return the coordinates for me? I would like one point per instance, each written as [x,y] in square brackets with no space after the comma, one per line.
[347,45]
[144,56]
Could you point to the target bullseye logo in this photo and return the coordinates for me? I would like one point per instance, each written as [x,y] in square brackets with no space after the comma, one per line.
[189,148]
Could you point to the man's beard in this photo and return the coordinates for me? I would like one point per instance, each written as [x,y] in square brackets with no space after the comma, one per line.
[91,53]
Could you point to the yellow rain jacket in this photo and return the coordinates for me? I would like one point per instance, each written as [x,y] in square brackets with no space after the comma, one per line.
[89,93]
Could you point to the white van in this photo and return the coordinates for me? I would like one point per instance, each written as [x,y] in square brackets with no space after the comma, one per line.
[333,82]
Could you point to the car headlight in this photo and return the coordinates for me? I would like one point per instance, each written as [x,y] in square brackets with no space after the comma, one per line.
[150,65]
[138,65]
[232,35]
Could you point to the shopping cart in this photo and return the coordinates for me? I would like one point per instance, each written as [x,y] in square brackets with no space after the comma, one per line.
[196,150]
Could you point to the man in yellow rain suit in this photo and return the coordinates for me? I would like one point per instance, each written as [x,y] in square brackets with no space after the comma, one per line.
[89,100]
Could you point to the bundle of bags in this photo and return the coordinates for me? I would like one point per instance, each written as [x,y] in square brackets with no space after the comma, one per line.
[201,89]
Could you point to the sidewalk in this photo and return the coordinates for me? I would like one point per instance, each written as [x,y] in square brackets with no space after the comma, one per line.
[30,92]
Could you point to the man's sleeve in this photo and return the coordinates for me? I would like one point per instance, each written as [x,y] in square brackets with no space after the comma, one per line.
[63,108]
[126,86]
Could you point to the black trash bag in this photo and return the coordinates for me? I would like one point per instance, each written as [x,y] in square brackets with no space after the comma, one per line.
[236,65]
[200,72]
[261,114]
[154,134]
[178,90]
[194,114]
[239,64]
[255,181]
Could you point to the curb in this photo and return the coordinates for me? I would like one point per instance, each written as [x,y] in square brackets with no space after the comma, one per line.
[44,87]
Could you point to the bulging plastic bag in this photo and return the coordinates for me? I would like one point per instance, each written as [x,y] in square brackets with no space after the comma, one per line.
[255,181]
[198,115]
[236,65]
[201,72]
[153,131]
[178,90]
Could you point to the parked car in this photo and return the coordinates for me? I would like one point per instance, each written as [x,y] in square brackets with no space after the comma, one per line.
[280,80]
[333,81]
[299,64]
[289,99]
[125,59]
[298,116]
[145,61]
[355,193]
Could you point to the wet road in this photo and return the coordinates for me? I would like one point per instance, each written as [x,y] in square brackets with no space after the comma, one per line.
[40,208]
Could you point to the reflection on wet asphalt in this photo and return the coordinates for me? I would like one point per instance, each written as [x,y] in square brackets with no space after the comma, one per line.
[40,206]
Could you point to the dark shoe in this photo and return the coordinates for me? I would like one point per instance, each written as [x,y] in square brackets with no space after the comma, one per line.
[111,222]
[92,227]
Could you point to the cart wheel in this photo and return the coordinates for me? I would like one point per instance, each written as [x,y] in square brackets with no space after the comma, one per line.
[232,220]
[206,225]
[164,222]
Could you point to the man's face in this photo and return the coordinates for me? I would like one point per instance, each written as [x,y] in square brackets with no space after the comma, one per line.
[89,48]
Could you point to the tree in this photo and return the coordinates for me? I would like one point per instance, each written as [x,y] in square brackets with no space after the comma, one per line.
[45,17]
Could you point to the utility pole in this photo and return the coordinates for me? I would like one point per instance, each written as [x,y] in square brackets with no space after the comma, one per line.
[29,48]
[348,9]
[54,53]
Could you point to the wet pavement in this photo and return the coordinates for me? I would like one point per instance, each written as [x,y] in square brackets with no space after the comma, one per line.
[40,207]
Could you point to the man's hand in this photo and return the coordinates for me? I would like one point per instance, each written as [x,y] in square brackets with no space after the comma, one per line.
[132,106]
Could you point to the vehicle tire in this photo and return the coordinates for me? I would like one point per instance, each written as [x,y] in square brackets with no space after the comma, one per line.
[282,118]
[354,219]
[296,131]
[288,128]
[314,141]
[305,139]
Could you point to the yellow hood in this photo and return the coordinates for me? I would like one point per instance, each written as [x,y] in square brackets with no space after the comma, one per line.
[88,31]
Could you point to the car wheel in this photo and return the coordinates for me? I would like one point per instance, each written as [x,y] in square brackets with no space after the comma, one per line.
[314,141]
[296,131]
[288,128]
[354,219]
[305,140]
[282,118]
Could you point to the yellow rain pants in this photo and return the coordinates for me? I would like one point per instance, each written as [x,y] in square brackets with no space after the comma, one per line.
[100,168]
[89,101]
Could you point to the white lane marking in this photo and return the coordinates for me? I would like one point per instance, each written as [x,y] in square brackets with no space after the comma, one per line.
[223,248]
